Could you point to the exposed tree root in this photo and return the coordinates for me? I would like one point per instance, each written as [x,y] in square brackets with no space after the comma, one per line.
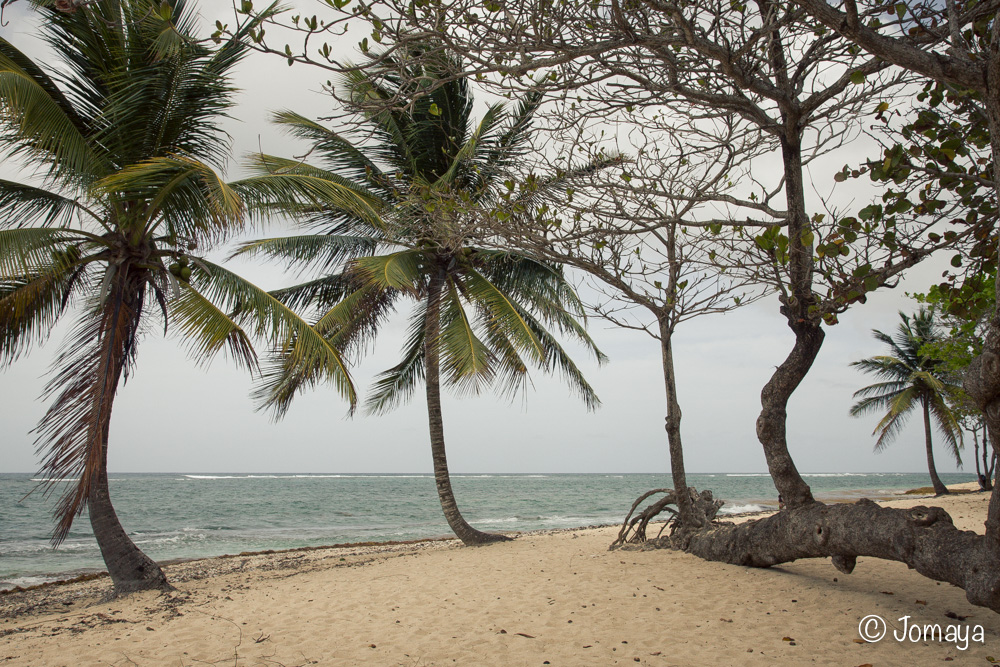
[633,530]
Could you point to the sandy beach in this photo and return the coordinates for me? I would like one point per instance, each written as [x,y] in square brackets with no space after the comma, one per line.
[545,598]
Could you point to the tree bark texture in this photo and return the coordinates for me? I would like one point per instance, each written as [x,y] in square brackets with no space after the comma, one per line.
[131,570]
[922,537]
[685,509]
[432,329]
[771,424]
[939,488]
[982,377]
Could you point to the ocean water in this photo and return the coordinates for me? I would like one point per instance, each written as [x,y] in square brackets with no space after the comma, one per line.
[183,516]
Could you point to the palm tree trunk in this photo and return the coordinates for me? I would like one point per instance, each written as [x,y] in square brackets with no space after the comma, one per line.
[432,327]
[939,488]
[130,569]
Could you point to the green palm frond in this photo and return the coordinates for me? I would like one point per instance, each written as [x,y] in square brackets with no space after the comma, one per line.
[355,320]
[187,194]
[895,418]
[395,386]
[207,330]
[31,305]
[26,251]
[322,292]
[464,154]
[880,390]
[948,425]
[48,132]
[403,270]
[890,368]
[322,252]
[305,192]
[556,359]
[339,155]
[467,363]
[303,351]
[22,204]
[504,314]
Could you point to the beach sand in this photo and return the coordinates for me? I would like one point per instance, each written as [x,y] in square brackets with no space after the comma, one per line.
[556,598]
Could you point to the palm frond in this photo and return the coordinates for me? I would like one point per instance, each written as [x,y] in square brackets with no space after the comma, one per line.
[31,306]
[403,270]
[396,385]
[504,314]
[895,418]
[27,250]
[316,252]
[467,363]
[21,205]
[339,155]
[304,192]
[301,350]
[190,196]
[322,292]
[948,425]
[48,131]
[71,435]
[207,330]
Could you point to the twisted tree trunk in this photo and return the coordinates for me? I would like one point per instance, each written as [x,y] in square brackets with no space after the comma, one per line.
[432,329]
[809,336]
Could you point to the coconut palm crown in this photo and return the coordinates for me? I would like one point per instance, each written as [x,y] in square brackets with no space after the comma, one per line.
[119,135]
[910,379]
[481,315]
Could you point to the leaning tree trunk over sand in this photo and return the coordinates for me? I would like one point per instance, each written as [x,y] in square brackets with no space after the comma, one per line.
[939,488]
[131,570]
[432,329]
[922,537]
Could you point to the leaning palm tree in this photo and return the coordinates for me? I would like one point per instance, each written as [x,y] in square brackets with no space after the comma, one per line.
[481,315]
[120,130]
[910,379]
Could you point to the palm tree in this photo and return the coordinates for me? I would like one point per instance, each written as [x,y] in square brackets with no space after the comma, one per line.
[121,130]
[481,314]
[911,378]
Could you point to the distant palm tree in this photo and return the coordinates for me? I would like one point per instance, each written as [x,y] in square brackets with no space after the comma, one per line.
[122,129]
[481,315]
[910,379]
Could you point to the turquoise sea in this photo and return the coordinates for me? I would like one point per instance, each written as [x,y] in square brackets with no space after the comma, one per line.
[190,515]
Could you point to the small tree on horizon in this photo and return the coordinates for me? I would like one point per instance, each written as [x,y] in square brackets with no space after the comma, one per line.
[910,379]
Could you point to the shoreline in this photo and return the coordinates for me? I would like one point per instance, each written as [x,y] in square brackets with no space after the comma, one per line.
[556,596]
[844,496]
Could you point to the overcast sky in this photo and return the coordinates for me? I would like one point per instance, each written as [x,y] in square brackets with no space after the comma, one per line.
[175,416]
